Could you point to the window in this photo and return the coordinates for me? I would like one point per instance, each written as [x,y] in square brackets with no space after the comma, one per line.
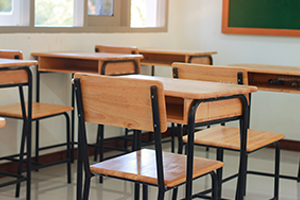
[14,12]
[83,15]
[147,13]
[101,7]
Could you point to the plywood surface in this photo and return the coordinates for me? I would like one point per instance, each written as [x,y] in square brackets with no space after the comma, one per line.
[229,137]
[141,166]
[16,63]
[197,89]
[89,56]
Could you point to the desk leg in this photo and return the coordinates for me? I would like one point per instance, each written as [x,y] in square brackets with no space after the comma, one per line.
[28,169]
[72,121]
[37,123]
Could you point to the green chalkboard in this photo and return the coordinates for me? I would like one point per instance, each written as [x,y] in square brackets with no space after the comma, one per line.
[256,15]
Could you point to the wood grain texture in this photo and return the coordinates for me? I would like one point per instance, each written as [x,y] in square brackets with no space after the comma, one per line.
[222,74]
[141,166]
[16,63]
[123,50]
[2,122]
[38,110]
[72,62]
[89,56]
[229,137]
[165,57]
[120,101]
[269,69]
[181,92]
[260,75]
[117,49]
[192,89]
[13,77]
[175,52]
[7,53]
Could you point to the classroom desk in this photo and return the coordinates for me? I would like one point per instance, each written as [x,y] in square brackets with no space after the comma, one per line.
[274,78]
[11,64]
[101,63]
[163,57]
[71,62]
[190,101]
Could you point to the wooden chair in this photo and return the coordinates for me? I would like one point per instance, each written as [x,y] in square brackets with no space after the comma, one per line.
[224,137]
[124,50]
[38,112]
[140,105]
[100,137]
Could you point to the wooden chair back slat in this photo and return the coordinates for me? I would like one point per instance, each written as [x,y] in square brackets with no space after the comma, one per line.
[11,54]
[12,76]
[117,49]
[226,74]
[120,102]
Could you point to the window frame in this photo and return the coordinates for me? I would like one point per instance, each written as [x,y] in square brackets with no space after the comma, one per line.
[90,24]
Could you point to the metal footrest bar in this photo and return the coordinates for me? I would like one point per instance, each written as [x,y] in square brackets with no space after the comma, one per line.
[13,182]
[290,177]
[10,174]
[52,146]
[40,166]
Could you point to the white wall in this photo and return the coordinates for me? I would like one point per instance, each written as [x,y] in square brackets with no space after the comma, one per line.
[193,25]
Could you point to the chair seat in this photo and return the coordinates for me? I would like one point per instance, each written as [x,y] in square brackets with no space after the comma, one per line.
[39,110]
[229,137]
[141,166]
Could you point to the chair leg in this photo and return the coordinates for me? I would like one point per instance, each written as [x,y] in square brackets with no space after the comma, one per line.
[245,174]
[241,178]
[21,159]
[145,192]
[175,192]
[86,190]
[37,130]
[277,168]
[214,186]
[161,194]
[69,147]
[220,156]
[101,143]
[97,143]
[136,191]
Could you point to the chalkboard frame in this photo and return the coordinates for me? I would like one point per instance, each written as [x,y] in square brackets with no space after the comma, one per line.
[252,31]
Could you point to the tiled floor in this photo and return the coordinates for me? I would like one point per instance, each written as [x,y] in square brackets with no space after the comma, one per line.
[50,183]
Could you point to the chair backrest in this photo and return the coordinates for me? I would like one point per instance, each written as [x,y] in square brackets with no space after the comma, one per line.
[12,76]
[11,54]
[129,67]
[226,74]
[121,102]
[117,49]
[19,76]
[223,74]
